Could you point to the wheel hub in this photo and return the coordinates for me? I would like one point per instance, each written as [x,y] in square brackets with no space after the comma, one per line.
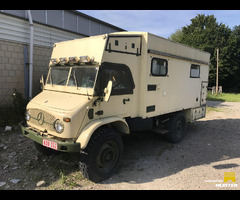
[107,156]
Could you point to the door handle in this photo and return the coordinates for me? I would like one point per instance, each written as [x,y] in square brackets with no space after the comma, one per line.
[124,100]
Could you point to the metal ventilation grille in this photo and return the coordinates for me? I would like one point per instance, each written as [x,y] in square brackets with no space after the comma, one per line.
[42,118]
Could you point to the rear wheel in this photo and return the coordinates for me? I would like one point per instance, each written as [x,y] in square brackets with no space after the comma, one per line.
[102,157]
[177,128]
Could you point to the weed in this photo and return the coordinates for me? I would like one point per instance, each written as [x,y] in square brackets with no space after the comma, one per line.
[216,109]
[63,178]
[230,97]
[19,103]
[13,113]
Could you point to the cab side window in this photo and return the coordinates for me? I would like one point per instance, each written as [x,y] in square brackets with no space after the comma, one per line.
[121,77]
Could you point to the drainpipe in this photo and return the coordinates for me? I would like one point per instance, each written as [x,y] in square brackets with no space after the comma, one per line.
[31,54]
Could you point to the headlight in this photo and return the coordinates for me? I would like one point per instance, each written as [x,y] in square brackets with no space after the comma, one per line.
[27,115]
[58,125]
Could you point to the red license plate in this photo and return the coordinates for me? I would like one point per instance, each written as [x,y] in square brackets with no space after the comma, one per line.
[50,144]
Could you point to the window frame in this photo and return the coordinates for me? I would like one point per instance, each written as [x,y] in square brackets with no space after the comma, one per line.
[160,75]
[195,65]
[103,79]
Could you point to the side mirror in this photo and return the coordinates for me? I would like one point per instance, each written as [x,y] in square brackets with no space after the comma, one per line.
[108,91]
[42,82]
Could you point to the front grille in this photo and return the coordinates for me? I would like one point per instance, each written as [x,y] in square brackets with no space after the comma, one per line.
[42,118]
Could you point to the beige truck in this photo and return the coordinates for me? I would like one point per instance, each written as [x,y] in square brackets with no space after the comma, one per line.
[102,87]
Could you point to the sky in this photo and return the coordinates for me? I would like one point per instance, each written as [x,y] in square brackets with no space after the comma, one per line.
[160,22]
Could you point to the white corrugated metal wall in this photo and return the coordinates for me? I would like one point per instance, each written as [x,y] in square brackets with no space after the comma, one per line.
[67,20]
[15,29]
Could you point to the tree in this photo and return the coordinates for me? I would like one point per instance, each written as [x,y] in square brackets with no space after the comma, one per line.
[234,54]
[177,36]
[206,34]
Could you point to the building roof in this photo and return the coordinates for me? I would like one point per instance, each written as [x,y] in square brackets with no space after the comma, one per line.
[67,20]
[97,20]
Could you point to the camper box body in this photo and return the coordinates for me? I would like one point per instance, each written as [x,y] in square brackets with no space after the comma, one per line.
[181,86]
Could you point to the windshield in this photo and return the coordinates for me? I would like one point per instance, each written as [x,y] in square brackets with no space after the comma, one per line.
[76,76]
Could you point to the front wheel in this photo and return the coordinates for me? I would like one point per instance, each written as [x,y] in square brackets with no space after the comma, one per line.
[102,157]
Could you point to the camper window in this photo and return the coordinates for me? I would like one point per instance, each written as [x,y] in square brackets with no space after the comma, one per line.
[195,71]
[159,67]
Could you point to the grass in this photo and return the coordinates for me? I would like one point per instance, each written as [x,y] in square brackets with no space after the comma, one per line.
[216,109]
[230,97]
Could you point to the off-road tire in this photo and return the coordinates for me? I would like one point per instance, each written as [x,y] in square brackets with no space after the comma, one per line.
[102,156]
[177,128]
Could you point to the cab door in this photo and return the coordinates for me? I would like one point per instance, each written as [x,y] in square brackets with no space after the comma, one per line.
[122,90]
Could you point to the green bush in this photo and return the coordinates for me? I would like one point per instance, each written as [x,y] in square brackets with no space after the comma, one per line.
[15,112]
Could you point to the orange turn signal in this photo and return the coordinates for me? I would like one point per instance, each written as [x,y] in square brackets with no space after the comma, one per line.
[67,119]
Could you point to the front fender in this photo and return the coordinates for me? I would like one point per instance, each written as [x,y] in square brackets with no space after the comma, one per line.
[118,123]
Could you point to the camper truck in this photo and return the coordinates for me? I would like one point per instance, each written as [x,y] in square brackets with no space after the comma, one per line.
[103,87]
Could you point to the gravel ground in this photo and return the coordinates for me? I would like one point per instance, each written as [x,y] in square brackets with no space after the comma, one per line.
[209,149]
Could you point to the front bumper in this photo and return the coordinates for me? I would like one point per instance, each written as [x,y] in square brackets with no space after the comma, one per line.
[37,137]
